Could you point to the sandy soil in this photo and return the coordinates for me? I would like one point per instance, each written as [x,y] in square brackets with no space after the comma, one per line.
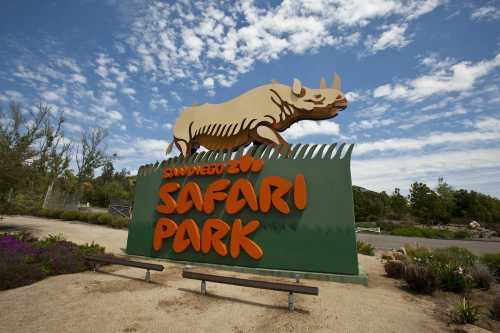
[118,300]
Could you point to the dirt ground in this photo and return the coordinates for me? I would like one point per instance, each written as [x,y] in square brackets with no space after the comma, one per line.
[118,300]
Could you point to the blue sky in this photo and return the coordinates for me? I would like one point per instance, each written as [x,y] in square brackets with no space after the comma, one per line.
[421,76]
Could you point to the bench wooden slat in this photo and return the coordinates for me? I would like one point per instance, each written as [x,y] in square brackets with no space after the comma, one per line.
[124,262]
[278,286]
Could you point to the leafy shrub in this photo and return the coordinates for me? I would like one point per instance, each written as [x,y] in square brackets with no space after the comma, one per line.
[70,215]
[465,312]
[492,260]
[418,254]
[455,256]
[50,239]
[462,234]
[61,257]
[452,278]
[412,231]
[394,269]
[83,216]
[16,273]
[366,224]
[387,226]
[420,278]
[89,249]
[43,212]
[55,213]
[105,219]
[481,277]
[365,248]
[93,218]
[119,222]
[495,309]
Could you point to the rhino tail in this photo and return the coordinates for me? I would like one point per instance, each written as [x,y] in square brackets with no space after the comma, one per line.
[169,148]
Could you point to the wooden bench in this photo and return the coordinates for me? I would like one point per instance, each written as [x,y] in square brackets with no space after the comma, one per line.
[277,286]
[124,262]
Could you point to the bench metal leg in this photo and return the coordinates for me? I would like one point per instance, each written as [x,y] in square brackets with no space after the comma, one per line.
[203,287]
[148,276]
[96,267]
[291,299]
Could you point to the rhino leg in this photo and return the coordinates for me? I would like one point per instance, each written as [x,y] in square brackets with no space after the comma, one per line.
[267,135]
[183,146]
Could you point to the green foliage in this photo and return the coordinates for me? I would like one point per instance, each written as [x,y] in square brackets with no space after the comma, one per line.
[119,222]
[465,312]
[492,260]
[452,278]
[481,277]
[50,239]
[420,278]
[394,269]
[365,248]
[70,215]
[426,205]
[91,249]
[55,213]
[105,219]
[427,232]
[399,205]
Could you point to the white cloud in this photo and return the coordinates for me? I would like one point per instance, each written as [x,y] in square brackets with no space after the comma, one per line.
[458,78]
[72,128]
[486,13]
[310,127]
[129,91]
[483,134]
[79,78]
[208,83]
[392,37]
[369,124]
[208,31]
[387,173]
[11,96]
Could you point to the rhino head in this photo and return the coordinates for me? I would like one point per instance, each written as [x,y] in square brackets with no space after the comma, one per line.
[322,103]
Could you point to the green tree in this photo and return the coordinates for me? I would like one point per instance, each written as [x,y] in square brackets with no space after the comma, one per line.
[398,204]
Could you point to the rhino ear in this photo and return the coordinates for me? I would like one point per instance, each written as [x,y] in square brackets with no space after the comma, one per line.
[296,87]
[336,82]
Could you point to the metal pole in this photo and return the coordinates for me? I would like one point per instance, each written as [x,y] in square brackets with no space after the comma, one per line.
[148,276]
[203,287]
[291,299]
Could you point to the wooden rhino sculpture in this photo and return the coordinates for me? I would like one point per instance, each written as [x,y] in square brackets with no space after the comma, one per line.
[255,116]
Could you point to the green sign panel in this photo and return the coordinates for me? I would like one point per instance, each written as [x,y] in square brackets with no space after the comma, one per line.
[203,209]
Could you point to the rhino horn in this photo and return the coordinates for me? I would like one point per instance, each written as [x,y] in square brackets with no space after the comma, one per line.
[336,82]
[296,87]
[322,84]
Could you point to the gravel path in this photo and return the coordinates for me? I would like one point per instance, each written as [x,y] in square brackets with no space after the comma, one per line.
[387,242]
[118,300]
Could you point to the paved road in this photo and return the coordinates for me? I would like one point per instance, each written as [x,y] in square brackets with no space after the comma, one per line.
[387,242]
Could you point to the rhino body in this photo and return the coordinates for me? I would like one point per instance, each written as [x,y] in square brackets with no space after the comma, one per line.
[255,116]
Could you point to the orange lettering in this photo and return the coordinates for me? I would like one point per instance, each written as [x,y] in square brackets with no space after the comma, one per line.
[232,167]
[211,239]
[213,193]
[268,196]
[180,242]
[300,192]
[245,162]
[190,193]
[164,228]
[234,204]
[169,203]
[239,239]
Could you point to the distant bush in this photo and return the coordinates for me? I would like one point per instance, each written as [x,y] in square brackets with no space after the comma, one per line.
[366,224]
[412,231]
[55,213]
[394,269]
[387,226]
[119,222]
[462,234]
[492,260]
[452,278]
[365,248]
[495,309]
[465,313]
[93,218]
[83,216]
[420,278]
[481,277]
[70,215]
[105,219]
